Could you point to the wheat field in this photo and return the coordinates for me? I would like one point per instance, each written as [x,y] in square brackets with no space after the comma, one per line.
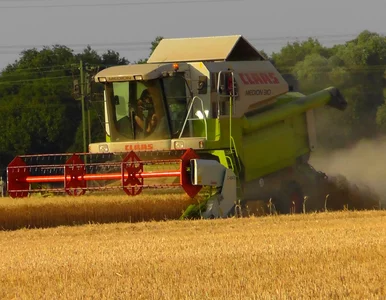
[44,211]
[334,255]
[52,211]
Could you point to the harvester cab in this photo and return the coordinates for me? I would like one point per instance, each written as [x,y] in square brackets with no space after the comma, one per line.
[214,107]
[193,84]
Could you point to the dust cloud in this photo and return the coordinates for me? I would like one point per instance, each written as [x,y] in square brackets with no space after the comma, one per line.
[364,165]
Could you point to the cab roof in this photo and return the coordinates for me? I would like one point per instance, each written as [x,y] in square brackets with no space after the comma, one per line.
[129,72]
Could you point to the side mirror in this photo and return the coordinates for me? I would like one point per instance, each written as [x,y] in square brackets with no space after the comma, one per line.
[202,84]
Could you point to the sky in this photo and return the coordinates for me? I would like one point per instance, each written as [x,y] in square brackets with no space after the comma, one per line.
[128,26]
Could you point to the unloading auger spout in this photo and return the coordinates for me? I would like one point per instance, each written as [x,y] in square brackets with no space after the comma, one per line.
[330,96]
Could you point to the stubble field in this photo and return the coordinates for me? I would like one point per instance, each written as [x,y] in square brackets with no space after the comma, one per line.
[320,256]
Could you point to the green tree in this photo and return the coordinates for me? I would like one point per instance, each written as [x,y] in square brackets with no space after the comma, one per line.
[286,59]
[364,58]
[38,109]
[36,102]
[109,58]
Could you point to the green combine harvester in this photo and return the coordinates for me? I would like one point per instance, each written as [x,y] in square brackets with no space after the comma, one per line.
[213,108]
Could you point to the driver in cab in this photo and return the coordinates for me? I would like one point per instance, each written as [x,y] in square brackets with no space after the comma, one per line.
[145,116]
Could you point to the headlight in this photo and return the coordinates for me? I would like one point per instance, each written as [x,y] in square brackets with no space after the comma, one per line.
[104,148]
[178,145]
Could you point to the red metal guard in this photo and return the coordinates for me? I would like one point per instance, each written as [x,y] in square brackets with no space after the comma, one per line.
[191,190]
[74,171]
[132,174]
[16,174]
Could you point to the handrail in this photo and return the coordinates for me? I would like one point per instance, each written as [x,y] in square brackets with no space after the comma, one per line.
[226,95]
[187,116]
[219,81]
[232,104]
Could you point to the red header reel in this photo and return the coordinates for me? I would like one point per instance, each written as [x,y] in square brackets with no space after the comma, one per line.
[72,174]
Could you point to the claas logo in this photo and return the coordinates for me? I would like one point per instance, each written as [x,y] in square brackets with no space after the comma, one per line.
[139,147]
[259,78]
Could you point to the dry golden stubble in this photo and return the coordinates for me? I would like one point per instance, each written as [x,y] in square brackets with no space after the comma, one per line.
[321,256]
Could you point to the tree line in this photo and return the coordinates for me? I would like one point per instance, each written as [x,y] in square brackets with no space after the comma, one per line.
[40,111]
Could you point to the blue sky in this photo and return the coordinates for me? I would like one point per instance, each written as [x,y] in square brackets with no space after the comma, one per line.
[128,26]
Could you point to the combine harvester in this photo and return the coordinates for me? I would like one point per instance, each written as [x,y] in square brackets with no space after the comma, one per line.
[213,112]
